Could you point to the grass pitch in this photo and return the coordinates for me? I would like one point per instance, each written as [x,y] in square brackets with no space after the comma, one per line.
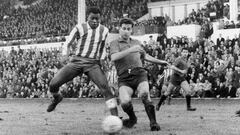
[84,117]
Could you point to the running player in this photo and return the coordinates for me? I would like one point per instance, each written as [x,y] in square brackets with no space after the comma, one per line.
[177,79]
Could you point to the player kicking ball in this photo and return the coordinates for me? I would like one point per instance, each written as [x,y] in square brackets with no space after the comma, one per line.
[91,37]
[177,79]
[127,55]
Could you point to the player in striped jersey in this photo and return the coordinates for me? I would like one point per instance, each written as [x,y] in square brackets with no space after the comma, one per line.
[177,79]
[91,37]
[165,78]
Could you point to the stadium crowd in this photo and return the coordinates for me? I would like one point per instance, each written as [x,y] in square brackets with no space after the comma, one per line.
[27,73]
[24,26]
[59,17]
[214,69]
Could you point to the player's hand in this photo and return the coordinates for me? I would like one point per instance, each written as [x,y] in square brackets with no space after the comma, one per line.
[184,71]
[136,48]
[167,64]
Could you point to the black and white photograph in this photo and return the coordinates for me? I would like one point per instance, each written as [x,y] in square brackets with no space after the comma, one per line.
[119,67]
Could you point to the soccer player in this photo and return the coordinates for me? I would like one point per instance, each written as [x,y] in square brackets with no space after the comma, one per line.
[177,79]
[165,78]
[91,37]
[127,55]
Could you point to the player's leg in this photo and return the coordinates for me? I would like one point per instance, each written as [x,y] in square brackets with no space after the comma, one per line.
[169,99]
[143,89]
[185,86]
[100,79]
[64,75]
[163,97]
[125,94]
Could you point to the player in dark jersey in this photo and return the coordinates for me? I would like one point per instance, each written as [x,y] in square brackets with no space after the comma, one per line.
[91,37]
[180,69]
[127,55]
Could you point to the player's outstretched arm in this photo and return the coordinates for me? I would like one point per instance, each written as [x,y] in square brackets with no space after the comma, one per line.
[177,69]
[154,60]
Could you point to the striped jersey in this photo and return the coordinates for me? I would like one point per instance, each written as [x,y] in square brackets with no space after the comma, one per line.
[91,42]
[166,75]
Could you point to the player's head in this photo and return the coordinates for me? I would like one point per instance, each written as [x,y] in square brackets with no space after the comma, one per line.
[184,52]
[126,27]
[94,17]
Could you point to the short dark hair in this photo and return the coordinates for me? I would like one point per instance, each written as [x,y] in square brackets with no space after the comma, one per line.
[126,21]
[94,10]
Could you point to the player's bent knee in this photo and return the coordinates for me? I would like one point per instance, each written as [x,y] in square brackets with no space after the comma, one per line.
[145,97]
[166,93]
[125,101]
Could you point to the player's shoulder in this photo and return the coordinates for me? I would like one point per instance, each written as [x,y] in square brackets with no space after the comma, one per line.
[104,27]
[81,26]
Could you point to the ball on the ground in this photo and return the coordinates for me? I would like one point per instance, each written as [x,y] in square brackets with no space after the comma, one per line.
[112,124]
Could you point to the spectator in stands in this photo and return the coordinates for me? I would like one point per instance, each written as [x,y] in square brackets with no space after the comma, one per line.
[198,89]
[231,25]
[207,89]
[231,91]
[151,41]
[221,24]
[226,11]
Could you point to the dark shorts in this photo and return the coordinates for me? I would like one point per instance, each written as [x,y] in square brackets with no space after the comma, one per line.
[176,79]
[76,67]
[132,78]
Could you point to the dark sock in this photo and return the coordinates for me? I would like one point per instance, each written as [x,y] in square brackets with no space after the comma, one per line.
[128,108]
[55,95]
[149,108]
[114,111]
[188,100]
[162,99]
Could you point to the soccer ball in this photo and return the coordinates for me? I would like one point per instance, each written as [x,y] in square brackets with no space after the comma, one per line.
[112,124]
